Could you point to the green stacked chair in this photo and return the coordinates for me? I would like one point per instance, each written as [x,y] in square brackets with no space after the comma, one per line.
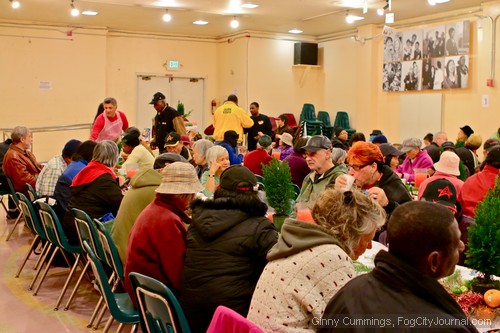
[327,127]
[309,124]
[342,120]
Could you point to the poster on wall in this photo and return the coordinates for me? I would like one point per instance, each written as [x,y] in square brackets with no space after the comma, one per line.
[433,58]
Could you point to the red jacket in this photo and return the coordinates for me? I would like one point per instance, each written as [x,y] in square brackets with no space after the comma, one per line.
[475,188]
[157,243]
[254,159]
[21,167]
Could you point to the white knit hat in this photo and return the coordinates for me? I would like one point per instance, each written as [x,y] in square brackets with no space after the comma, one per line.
[448,163]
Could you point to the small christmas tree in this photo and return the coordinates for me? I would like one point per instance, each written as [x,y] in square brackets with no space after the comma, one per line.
[279,189]
[180,108]
[484,237]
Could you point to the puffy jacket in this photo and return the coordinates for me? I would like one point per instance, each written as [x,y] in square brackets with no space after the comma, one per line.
[227,244]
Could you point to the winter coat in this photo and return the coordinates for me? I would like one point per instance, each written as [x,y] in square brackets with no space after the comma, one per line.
[227,244]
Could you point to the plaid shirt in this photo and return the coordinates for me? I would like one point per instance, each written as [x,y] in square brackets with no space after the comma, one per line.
[47,179]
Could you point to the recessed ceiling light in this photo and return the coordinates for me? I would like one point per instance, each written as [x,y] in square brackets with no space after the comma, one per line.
[89,13]
[295,31]
[249,5]
[200,22]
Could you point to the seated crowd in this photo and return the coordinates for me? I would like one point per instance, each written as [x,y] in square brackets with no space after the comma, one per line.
[192,218]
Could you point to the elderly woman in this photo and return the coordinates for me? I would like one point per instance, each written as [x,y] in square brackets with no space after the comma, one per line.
[312,261]
[285,145]
[227,244]
[366,165]
[416,158]
[218,161]
[95,189]
[200,149]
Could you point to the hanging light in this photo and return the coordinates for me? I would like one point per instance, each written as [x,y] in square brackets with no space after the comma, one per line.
[15,4]
[74,10]
[167,17]
[235,23]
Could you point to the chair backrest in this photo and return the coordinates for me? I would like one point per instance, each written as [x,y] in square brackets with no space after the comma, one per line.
[342,120]
[292,122]
[124,311]
[226,320]
[324,117]
[111,253]
[308,112]
[30,215]
[9,190]
[53,228]
[31,193]
[274,123]
[296,188]
[159,308]
[87,231]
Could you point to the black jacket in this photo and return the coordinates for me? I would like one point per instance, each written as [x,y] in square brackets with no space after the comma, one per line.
[394,189]
[393,289]
[101,196]
[163,124]
[434,152]
[226,252]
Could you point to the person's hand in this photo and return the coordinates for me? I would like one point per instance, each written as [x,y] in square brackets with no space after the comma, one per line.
[242,150]
[277,136]
[214,166]
[377,194]
[124,155]
[341,182]
[260,134]
[153,145]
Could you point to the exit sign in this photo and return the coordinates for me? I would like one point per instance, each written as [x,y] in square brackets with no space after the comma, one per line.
[173,64]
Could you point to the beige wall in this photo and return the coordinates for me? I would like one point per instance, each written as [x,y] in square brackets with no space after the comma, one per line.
[92,64]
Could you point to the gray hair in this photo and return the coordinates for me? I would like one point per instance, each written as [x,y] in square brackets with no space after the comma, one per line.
[18,133]
[106,152]
[214,153]
[110,100]
[338,155]
[440,135]
[202,146]
[348,216]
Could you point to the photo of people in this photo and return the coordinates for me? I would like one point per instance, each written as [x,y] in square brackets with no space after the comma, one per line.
[457,38]
[411,73]
[393,48]
[434,41]
[412,45]
[392,77]
[438,68]
[427,59]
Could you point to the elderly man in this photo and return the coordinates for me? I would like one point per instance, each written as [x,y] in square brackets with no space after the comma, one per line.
[323,172]
[229,116]
[139,195]
[261,126]
[200,148]
[19,164]
[109,124]
[174,144]
[404,283]
[167,120]
[434,149]
[47,179]
[157,242]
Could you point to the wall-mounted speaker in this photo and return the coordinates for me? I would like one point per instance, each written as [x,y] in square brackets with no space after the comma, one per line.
[305,54]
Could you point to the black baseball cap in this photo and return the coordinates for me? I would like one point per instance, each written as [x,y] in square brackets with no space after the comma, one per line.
[157,97]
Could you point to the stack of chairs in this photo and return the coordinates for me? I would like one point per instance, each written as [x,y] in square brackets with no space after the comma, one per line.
[327,127]
[309,124]
[342,120]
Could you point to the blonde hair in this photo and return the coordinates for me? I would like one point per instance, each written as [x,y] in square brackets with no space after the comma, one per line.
[348,215]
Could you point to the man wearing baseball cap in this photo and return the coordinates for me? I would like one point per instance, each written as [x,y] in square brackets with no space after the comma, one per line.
[174,144]
[323,172]
[167,120]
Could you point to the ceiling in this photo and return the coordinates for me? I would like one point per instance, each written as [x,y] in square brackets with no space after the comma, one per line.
[314,17]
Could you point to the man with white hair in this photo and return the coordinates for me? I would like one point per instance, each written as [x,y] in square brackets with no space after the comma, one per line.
[434,149]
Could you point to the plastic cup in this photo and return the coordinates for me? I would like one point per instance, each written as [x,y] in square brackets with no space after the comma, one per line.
[132,169]
[420,176]
[276,153]
[349,182]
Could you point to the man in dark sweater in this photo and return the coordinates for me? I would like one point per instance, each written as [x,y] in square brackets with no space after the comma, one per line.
[261,126]
[402,293]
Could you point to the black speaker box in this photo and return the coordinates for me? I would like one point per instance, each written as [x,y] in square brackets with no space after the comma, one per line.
[305,54]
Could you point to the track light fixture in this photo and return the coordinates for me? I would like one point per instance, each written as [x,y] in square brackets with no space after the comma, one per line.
[167,17]
[15,4]
[74,10]
[235,23]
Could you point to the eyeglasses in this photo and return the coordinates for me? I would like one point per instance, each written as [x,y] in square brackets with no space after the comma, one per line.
[357,167]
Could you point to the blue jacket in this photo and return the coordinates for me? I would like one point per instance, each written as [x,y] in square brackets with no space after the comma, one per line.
[233,157]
